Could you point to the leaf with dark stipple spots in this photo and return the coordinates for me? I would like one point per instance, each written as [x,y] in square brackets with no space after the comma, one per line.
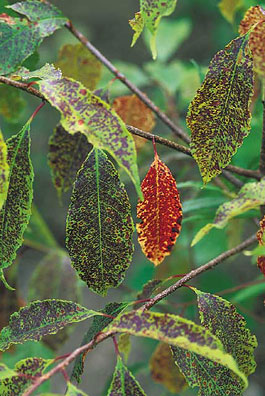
[82,111]
[176,331]
[160,212]
[219,115]
[261,240]
[123,382]
[41,318]
[99,225]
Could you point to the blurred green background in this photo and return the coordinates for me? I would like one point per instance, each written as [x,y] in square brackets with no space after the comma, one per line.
[186,42]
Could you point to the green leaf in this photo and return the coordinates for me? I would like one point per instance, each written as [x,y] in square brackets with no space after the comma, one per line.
[176,331]
[11,103]
[19,39]
[38,235]
[220,317]
[17,383]
[228,9]
[66,154]
[149,16]
[41,318]
[123,382]
[84,112]
[251,196]
[6,372]
[4,171]
[46,72]
[99,225]
[47,17]
[73,391]
[99,323]
[77,62]
[169,75]
[219,116]
[15,213]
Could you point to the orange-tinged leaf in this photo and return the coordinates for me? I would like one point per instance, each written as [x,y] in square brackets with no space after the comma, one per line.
[261,239]
[160,212]
[255,19]
[135,113]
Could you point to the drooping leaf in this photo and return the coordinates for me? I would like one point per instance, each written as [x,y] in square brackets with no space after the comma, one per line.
[66,154]
[98,325]
[176,331]
[229,8]
[15,213]
[125,346]
[11,103]
[123,382]
[221,318]
[46,72]
[4,171]
[160,212]
[22,377]
[164,370]
[251,196]
[135,113]
[77,62]
[84,112]
[99,225]
[38,235]
[219,116]
[149,16]
[73,391]
[41,318]
[147,291]
[261,240]
[254,20]
[19,39]
[43,14]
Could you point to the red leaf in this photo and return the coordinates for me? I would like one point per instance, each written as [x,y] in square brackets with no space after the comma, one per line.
[261,239]
[160,212]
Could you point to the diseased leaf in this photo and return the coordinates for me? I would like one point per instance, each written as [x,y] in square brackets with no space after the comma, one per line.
[135,113]
[151,12]
[254,21]
[47,72]
[73,391]
[41,318]
[77,62]
[176,331]
[15,213]
[123,382]
[219,116]
[164,370]
[43,14]
[160,212]
[22,377]
[84,112]
[261,240]
[220,317]
[251,196]
[99,323]
[229,8]
[66,154]
[99,225]
[147,291]
[4,171]
[11,103]
[125,346]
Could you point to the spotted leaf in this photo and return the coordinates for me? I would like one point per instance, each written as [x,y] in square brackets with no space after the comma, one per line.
[251,196]
[66,154]
[99,225]
[254,21]
[15,213]
[219,116]
[41,318]
[221,318]
[160,212]
[84,112]
[176,331]
[76,61]
[123,382]
[261,240]
[151,12]
[4,170]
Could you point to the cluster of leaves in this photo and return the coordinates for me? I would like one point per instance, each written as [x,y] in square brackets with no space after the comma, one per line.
[215,355]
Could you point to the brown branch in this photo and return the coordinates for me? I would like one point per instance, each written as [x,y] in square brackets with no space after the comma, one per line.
[192,274]
[149,136]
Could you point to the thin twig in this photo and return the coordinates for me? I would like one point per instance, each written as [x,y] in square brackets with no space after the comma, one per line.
[192,274]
